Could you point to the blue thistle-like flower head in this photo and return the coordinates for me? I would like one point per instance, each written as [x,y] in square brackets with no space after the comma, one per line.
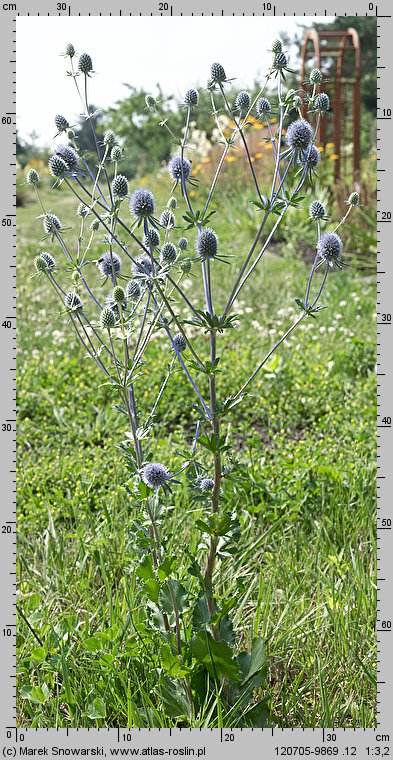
[353,199]
[276,47]
[94,226]
[142,266]
[109,138]
[61,123]
[179,342]
[317,210]
[118,294]
[142,203]
[155,475]
[69,155]
[82,211]
[133,290]
[73,302]
[183,244]
[120,186]
[206,485]
[299,134]
[168,253]
[217,73]
[243,101]
[172,203]
[322,103]
[51,224]
[57,166]
[150,102]
[70,50]
[107,318]
[44,262]
[297,101]
[152,238]
[179,167]
[32,177]
[167,219]
[280,61]
[116,153]
[329,247]
[85,64]
[114,305]
[191,98]
[311,157]
[185,265]
[263,107]
[206,244]
[316,76]
[109,263]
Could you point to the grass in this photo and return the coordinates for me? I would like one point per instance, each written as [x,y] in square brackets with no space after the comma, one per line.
[304,579]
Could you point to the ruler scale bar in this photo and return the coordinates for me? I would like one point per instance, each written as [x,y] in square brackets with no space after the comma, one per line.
[208,743]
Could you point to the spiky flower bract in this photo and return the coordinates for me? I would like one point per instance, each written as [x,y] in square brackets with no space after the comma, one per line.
[95,225]
[70,50]
[317,210]
[179,168]
[191,98]
[297,101]
[151,239]
[112,304]
[206,485]
[330,247]
[85,64]
[206,244]
[142,203]
[316,76]
[150,101]
[243,101]
[44,262]
[107,318]
[276,46]
[120,186]
[116,153]
[133,290]
[61,123]
[172,203]
[217,73]
[280,61]
[57,166]
[51,223]
[321,103]
[353,199]
[32,177]
[168,253]
[299,134]
[69,155]
[167,219]
[179,342]
[155,475]
[142,265]
[109,138]
[263,107]
[73,301]
[109,263]
[183,244]
[118,294]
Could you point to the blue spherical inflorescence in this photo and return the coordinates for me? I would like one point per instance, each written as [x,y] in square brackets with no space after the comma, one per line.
[142,203]
[82,211]
[61,123]
[206,485]
[179,167]
[179,342]
[280,61]
[51,223]
[263,107]
[155,475]
[107,318]
[317,210]
[243,101]
[183,244]
[168,253]
[142,266]
[167,219]
[44,262]
[109,263]
[322,103]
[73,301]
[311,157]
[151,239]
[133,290]
[191,98]
[299,134]
[330,247]
[85,64]
[217,73]
[69,155]
[57,166]
[206,244]
[120,186]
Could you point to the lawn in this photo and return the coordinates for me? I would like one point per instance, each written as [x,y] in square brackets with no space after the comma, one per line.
[305,575]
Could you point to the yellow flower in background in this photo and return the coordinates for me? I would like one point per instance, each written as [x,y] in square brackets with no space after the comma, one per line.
[230,159]
[258,155]
[269,146]
[206,160]
[258,125]
[320,148]
[192,193]
[334,157]
[329,146]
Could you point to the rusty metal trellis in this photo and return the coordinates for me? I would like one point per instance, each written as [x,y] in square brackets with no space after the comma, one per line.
[337,54]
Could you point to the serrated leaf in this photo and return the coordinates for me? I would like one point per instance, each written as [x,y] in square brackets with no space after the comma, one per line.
[253,663]
[216,656]
[145,570]
[180,593]
[174,699]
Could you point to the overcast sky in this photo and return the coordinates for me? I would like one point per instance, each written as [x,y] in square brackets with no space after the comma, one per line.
[175,51]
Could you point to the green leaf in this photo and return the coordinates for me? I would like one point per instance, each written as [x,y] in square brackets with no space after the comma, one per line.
[216,656]
[254,663]
[93,644]
[96,709]
[36,694]
[180,593]
[200,613]
[258,716]
[38,654]
[145,569]
[166,567]
[152,590]
[174,699]
[144,490]
[172,663]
